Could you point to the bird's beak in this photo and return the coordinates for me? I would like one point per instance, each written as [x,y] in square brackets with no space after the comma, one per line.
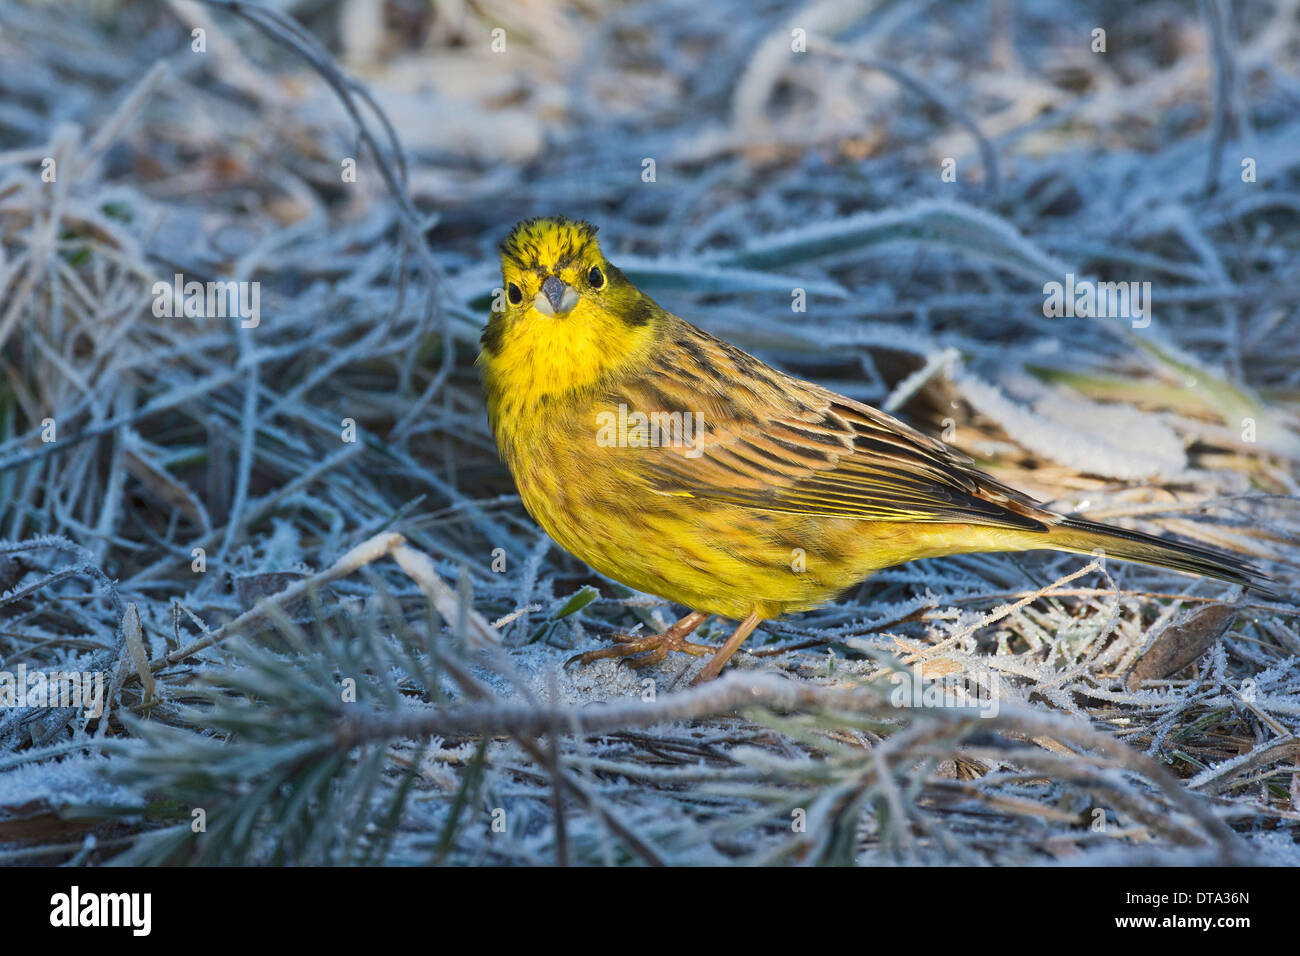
[556,298]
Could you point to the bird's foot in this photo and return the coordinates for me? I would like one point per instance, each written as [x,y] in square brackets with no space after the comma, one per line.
[652,648]
[719,660]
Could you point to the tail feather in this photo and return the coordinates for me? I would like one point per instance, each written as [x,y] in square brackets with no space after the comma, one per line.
[1077,534]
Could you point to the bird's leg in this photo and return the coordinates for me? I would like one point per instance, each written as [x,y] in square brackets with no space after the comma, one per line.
[654,646]
[719,660]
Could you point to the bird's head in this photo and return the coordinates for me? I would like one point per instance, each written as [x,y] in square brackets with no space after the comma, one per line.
[564,315]
[548,265]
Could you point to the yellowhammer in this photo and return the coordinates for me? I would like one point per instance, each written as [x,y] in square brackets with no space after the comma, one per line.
[680,465]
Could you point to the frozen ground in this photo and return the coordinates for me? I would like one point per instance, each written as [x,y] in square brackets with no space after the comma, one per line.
[318,689]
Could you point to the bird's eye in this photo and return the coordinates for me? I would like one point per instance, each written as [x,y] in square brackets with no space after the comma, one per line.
[595,277]
[513,294]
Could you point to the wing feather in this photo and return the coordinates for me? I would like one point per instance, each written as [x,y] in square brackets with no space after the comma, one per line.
[781,444]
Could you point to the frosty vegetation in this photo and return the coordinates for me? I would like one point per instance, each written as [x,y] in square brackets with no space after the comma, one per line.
[328,629]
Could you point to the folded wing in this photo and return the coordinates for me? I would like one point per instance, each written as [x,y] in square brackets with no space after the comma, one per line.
[777,443]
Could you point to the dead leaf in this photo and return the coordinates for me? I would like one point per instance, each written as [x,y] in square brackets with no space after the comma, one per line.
[1183,642]
[133,632]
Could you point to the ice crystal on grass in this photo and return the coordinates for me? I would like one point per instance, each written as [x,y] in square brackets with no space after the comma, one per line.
[329,630]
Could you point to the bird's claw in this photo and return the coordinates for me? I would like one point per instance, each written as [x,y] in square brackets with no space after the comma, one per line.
[654,647]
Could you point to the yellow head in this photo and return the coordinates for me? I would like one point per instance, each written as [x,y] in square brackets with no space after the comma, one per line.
[566,317]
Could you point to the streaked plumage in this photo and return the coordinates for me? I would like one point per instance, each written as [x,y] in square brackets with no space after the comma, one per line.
[788,494]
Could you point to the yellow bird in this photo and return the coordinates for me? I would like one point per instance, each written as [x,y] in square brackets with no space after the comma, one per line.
[674,462]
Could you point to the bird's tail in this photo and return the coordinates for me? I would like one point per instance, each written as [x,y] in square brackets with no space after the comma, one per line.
[1088,537]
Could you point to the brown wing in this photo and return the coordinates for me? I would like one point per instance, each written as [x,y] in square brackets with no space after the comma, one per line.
[777,443]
